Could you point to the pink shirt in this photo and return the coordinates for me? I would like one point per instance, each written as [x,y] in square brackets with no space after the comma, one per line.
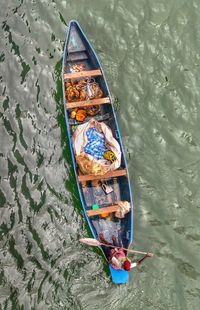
[117,258]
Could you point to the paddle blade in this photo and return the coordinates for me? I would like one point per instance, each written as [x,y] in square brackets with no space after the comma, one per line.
[90,241]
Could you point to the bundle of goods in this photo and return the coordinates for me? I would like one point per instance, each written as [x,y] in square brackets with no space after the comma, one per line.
[83,89]
[96,150]
[80,114]
[76,67]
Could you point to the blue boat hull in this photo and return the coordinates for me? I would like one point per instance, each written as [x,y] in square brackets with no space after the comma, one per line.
[78,51]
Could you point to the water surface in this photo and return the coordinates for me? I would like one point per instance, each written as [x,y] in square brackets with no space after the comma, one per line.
[149,51]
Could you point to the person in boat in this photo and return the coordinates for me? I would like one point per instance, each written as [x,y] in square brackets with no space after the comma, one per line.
[117,257]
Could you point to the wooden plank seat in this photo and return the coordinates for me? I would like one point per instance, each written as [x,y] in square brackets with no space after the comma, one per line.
[77,56]
[87,103]
[75,75]
[108,175]
[100,211]
[78,49]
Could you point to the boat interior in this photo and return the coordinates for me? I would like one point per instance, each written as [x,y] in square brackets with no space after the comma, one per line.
[104,190]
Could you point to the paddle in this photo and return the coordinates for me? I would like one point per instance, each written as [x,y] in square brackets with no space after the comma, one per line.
[94,242]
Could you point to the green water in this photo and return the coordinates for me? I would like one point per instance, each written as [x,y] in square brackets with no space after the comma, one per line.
[150,52]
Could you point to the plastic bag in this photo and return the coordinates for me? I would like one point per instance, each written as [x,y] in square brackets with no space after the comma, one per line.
[88,166]
[87,163]
[124,207]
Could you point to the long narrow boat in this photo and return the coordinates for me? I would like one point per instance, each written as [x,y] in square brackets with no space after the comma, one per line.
[81,62]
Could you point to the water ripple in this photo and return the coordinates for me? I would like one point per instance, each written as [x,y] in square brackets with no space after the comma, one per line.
[150,55]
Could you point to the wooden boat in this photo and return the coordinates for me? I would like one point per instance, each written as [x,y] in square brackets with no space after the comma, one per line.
[78,51]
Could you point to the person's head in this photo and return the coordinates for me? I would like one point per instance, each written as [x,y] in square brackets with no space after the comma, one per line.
[127,265]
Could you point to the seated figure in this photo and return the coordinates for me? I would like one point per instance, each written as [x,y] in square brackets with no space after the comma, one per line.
[117,256]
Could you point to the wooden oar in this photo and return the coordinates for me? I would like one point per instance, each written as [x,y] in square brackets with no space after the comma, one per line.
[94,242]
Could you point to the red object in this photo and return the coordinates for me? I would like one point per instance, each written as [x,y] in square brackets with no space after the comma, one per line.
[127,265]
[81,67]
